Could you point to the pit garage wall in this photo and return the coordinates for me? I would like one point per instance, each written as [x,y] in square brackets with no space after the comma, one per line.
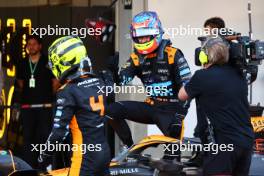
[174,13]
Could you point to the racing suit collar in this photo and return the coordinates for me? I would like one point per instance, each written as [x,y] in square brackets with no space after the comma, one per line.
[164,43]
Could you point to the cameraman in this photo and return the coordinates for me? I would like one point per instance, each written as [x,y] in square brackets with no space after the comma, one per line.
[221,93]
[211,25]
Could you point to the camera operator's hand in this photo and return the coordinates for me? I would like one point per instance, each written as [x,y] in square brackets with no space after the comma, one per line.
[43,161]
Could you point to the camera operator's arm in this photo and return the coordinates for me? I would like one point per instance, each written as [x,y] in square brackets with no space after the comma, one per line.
[182,95]
[127,72]
[193,88]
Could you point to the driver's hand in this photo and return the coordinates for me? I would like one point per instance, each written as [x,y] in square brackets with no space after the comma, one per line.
[43,161]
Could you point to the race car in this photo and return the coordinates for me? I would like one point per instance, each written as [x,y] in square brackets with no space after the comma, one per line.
[133,163]
[136,162]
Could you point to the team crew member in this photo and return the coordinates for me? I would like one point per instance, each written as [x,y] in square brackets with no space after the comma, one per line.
[79,108]
[37,84]
[212,24]
[222,95]
[159,66]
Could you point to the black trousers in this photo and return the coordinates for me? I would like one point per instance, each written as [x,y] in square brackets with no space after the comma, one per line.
[235,163]
[37,124]
[167,116]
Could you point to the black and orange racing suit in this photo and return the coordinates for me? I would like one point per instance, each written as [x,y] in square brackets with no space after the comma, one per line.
[165,68]
[80,109]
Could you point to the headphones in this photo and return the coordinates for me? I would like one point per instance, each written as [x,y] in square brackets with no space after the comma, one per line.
[203,55]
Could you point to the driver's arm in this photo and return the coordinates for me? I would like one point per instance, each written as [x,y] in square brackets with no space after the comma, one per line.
[127,72]
[193,88]
[183,71]
[65,105]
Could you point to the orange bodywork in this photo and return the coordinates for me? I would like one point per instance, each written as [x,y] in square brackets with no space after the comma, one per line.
[257,123]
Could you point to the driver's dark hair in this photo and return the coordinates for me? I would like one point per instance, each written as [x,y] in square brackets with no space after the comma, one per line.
[215,22]
[34,37]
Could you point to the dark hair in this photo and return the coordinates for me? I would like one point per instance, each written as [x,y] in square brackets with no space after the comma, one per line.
[34,37]
[215,22]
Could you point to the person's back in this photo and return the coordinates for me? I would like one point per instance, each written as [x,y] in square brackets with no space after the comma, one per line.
[221,93]
[226,105]
[83,109]
[80,109]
